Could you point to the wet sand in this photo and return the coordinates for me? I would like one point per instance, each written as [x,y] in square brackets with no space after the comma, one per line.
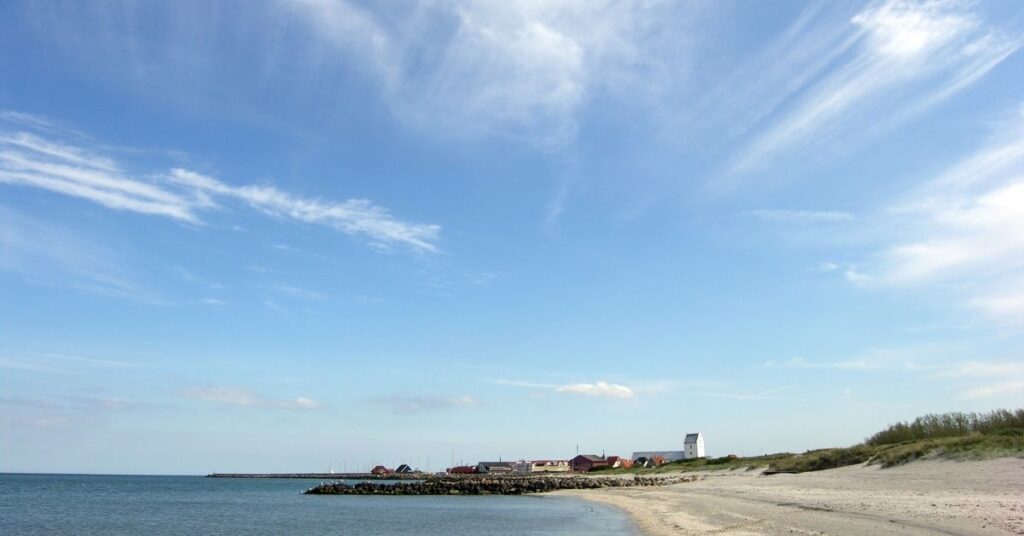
[924,497]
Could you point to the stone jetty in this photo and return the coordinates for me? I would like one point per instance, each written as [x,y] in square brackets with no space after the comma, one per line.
[322,476]
[506,485]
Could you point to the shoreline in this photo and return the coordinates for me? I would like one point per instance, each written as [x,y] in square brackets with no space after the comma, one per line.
[922,497]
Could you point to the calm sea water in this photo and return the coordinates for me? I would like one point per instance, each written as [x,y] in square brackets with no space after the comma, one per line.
[159,505]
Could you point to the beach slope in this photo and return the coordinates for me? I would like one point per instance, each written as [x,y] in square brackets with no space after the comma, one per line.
[924,497]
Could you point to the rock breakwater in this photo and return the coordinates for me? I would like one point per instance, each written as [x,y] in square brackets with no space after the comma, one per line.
[489,486]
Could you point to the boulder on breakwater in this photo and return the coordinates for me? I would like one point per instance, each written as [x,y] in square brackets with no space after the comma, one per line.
[489,486]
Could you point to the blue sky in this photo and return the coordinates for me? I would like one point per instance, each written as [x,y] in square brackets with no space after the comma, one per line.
[276,236]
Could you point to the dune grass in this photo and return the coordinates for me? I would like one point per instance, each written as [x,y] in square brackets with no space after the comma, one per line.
[949,435]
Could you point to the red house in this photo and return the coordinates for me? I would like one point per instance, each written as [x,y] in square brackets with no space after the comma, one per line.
[587,462]
[381,470]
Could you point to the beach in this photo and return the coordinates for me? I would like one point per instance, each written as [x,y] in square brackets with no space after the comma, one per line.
[923,497]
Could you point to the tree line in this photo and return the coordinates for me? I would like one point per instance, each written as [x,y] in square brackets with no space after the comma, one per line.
[950,425]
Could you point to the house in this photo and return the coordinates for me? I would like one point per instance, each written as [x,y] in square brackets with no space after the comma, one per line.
[644,462]
[495,467]
[619,461]
[587,462]
[542,466]
[381,470]
[667,455]
[462,470]
[404,469]
[693,446]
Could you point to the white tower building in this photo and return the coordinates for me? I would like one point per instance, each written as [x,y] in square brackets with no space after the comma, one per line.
[693,446]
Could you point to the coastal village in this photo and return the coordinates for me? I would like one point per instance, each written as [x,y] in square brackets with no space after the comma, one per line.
[693,448]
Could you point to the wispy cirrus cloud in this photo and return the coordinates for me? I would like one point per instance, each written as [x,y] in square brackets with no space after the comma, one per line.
[971,378]
[985,369]
[836,72]
[66,364]
[963,227]
[79,169]
[246,398]
[45,412]
[594,389]
[49,254]
[30,160]
[520,69]
[406,404]
[359,217]
[924,357]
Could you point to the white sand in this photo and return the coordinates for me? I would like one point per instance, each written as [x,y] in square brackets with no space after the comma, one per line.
[924,497]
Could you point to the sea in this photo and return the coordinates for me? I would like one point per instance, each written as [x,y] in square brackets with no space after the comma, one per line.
[32,504]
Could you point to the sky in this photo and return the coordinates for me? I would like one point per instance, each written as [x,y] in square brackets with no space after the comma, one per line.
[297,235]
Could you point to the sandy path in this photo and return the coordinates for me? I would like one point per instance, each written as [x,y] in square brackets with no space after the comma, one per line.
[927,497]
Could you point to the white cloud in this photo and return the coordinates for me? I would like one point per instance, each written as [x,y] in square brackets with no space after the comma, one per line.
[962,229]
[892,60]
[26,159]
[524,69]
[966,232]
[354,216]
[855,276]
[242,397]
[610,390]
[1008,304]
[302,403]
[597,389]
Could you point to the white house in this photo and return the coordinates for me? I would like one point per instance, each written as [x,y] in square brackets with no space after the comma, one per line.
[693,446]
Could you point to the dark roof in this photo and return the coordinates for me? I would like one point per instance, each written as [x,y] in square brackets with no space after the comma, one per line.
[495,464]
[691,438]
[591,457]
